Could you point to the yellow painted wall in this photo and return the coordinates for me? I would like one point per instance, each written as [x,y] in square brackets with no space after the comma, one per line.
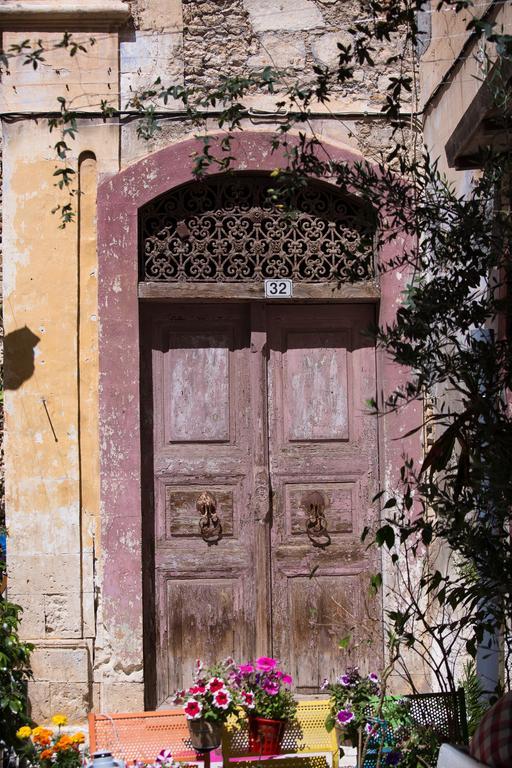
[51,335]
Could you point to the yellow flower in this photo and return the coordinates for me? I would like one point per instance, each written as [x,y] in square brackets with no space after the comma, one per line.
[59,720]
[78,738]
[24,732]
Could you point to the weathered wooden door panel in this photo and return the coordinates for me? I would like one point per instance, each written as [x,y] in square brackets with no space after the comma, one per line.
[204,417]
[266,583]
[323,474]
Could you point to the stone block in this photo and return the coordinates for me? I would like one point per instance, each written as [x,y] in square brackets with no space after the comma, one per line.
[39,703]
[121,697]
[60,663]
[95,697]
[272,15]
[30,573]
[72,699]
[88,614]
[32,617]
[325,48]
[63,615]
[144,59]
[280,51]
[164,15]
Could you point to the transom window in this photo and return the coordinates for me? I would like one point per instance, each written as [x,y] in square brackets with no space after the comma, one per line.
[226,229]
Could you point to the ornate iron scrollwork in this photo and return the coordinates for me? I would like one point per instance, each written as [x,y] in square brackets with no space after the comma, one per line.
[316,523]
[225,230]
[209,524]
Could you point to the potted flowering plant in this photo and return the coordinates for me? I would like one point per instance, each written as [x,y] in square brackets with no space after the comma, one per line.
[208,703]
[48,749]
[267,699]
[351,694]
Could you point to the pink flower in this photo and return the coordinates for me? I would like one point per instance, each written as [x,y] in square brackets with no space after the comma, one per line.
[265,663]
[287,679]
[164,756]
[246,669]
[179,696]
[197,688]
[271,687]
[222,699]
[193,709]
[345,716]
[215,684]
[248,699]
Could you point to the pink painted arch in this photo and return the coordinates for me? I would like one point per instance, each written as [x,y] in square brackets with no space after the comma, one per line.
[119,200]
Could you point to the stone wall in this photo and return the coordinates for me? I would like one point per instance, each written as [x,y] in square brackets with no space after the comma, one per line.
[56,556]
[201,40]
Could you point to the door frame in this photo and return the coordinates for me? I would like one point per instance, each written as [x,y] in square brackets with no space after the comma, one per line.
[123,551]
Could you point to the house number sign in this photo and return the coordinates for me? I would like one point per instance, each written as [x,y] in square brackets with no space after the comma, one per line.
[278,289]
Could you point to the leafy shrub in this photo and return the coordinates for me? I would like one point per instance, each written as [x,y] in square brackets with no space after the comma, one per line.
[14,669]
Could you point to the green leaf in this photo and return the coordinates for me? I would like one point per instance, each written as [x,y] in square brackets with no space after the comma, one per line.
[375,583]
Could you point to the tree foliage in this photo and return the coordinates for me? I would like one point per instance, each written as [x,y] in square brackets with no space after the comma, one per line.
[14,668]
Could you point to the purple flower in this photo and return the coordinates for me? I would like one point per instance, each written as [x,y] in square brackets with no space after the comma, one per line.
[271,687]
[371,730]
[344,680]
[345,716]
[373,677]
[393,758]
[325,684]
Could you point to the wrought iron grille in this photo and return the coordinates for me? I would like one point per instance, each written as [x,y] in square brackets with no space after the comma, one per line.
[225,229]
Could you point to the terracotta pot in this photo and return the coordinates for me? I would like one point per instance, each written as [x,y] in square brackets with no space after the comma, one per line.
[265,735]
[204,734]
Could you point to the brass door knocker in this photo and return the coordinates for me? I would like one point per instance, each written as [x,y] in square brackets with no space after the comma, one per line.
[316,524]
[209,523]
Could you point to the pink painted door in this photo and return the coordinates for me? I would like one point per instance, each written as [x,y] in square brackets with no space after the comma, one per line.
[209,471]
[264,465]
[323,475]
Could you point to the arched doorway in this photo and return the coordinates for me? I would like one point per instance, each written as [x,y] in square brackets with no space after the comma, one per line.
[264,455]
[125,560]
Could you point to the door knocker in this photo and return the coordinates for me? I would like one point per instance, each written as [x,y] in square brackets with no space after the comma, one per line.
[209,523]
[316,524]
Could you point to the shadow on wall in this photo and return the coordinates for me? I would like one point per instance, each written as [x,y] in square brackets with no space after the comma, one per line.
[19,357]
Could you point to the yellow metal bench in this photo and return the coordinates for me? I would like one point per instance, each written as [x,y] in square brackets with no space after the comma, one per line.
[305,744]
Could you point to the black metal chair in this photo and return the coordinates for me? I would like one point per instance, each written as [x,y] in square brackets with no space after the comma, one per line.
[444,712]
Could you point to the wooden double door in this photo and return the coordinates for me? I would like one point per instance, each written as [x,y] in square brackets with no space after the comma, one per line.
[264,464]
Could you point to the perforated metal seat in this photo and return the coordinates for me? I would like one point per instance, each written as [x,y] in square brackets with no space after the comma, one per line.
[305,744]
[139,736]
[445,712]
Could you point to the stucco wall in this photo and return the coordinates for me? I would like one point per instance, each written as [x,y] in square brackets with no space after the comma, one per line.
[452,71]
[53,437]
